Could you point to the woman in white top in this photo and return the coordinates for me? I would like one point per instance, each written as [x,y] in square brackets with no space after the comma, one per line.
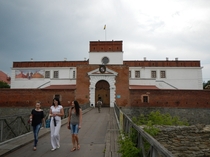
[56,112]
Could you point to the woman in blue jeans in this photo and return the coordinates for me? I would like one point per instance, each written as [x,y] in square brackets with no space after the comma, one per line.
[36,117]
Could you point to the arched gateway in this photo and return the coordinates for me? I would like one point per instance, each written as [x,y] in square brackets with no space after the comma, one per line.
[102,91]
[102,84]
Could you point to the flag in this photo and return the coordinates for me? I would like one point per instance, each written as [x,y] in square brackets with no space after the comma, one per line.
[104,26]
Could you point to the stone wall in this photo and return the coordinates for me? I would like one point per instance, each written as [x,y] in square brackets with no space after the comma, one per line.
[192,115]
[186,141]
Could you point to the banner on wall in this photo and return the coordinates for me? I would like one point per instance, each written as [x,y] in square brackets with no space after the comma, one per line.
[29,73]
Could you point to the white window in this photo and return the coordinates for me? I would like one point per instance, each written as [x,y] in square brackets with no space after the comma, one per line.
[129,74]
[137,74]
[162,74]
[55,74]
[74,75]
[153,74]
[47,74]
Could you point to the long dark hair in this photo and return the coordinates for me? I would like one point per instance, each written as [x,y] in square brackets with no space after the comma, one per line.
[59,103]
[77,107]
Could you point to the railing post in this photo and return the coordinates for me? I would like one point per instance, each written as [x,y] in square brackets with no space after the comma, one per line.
[121,119]
[2,127]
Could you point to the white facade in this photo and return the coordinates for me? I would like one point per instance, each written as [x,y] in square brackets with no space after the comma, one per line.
[66,76]
[175,77]
[115,58]
[162,76]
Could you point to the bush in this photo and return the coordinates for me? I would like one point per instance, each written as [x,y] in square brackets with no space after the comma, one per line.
[127,147]
[4,85]
[128,144]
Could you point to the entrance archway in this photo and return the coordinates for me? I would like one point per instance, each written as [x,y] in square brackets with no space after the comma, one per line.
[108,77]
[102,90]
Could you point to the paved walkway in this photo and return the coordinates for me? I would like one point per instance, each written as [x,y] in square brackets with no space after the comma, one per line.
[98,138]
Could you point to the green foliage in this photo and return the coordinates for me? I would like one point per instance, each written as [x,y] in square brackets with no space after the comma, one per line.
[128,144]
[150,129]
[4,85]
[156,118]
[206,85]
[127,147]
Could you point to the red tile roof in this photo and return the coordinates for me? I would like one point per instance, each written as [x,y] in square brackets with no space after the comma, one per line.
[61,87]
[4,77]
[142,87]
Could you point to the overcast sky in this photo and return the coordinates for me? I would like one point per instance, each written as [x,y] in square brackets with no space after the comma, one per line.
[51,30]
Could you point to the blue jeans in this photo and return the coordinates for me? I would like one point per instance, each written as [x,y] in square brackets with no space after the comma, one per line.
[36,132]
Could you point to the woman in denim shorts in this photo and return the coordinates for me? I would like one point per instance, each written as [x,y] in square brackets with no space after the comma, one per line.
[75,121]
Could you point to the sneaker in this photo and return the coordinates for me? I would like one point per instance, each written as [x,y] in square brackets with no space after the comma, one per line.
[53,149]
[58,146]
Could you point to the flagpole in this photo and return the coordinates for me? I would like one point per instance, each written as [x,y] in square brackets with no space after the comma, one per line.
[105,34]
[105,31]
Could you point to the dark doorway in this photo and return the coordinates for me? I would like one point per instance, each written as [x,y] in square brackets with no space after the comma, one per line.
[102,91]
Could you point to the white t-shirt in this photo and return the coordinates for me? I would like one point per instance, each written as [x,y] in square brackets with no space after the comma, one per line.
[56,110]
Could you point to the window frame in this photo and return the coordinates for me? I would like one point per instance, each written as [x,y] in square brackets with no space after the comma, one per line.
[137,74]
[54,74]
[145,98]
[74,74]
[162,74]
[46,75]
[153,74]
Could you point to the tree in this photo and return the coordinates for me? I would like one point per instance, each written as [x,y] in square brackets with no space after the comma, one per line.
[4,85]
[206,85]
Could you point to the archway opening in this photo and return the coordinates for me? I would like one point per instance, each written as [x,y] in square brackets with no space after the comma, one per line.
[102,90]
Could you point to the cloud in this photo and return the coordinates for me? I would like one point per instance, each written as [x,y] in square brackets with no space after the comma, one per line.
[55,30]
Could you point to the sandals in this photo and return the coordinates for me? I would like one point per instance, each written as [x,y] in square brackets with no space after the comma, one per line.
[73,149]
[78,147]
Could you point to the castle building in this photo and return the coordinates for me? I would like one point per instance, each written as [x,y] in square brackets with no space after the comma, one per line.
[105,74]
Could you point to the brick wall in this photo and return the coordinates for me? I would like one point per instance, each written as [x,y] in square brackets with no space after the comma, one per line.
[157,98]
[171,98]
[28,97]
[83,83]
[122,83]
[190,105]
[156,63]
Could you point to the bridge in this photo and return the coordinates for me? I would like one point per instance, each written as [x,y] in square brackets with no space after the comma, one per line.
[98,137]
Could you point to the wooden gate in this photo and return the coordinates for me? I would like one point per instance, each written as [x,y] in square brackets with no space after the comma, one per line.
[102,90]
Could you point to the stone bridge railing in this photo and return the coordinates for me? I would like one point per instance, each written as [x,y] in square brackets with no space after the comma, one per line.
[126,125]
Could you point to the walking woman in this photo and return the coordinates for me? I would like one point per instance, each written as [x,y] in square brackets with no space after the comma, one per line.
[75,121]
[36,118]
[56,112]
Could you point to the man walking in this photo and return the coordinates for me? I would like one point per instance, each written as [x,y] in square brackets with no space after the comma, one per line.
[99,104]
